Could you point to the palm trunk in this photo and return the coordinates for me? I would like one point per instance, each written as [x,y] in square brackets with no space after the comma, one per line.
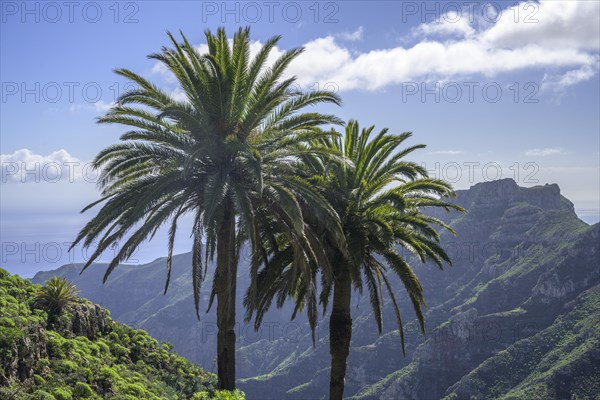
[225,287]
[340,333]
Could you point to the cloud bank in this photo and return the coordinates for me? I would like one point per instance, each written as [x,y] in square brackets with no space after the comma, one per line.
[25,166]
[561,40]
[544,152]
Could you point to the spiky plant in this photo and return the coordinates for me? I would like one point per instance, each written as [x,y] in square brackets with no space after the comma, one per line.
[228,155]
[381,200]
[56,294]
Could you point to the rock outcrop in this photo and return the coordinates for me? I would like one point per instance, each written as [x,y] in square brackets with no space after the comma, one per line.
[78,319]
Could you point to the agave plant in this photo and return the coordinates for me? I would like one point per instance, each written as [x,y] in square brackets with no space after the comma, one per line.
[381,200]
[55,295]
[227,155]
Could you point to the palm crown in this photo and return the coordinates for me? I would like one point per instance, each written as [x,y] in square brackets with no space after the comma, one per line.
[227,155]
[380,199]
[56,295]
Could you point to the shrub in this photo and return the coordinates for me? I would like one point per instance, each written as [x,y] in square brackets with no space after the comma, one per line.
[227,395]
[83,390]
[43,363]
[220,395]
[119,351]
[134,389]
[42,395]
[38,380]
[66,366]
[62,393]
[107,376]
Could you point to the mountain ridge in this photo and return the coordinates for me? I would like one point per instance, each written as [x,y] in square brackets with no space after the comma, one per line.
[517,249]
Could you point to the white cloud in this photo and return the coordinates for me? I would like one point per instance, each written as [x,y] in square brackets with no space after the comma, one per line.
[179,95]
[543,152]
[352,36]
[322,57]
[559,83]
[549,23]
[451,24]
[102,106]
[564,38]
[160,69]
[447,152]
[25,166]
[99,106]
[503,47]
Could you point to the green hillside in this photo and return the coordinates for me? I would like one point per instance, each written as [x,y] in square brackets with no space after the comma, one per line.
[560,362]
[83,354]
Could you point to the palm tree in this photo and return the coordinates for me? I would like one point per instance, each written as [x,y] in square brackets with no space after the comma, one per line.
[380,199]
[56,295]
[227,155]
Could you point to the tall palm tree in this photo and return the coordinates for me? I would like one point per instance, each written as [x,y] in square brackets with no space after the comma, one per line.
[381,201]
[227,155]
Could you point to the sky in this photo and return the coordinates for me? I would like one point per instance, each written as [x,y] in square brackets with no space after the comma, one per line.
[495,90]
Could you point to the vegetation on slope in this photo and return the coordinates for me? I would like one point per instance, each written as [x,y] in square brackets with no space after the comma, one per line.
[82,353]
[540,259]
[562,361]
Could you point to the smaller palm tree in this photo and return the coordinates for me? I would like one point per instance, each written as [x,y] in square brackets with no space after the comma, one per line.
[56,295]
[381,200]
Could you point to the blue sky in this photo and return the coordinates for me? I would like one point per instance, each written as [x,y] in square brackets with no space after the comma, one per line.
[501,89]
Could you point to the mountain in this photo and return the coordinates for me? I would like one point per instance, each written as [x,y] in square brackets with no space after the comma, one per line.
[561,360]
[83,354]
[514,317]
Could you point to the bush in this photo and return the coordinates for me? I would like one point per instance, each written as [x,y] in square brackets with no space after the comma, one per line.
[119,351]
[134,389]
[39,381]
[42,395]
[106,377]
[66,366]
[62,393]
[227,395]
[220,395]
[83,391]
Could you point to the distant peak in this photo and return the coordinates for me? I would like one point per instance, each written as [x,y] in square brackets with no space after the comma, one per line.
[504,192]
[506,182]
